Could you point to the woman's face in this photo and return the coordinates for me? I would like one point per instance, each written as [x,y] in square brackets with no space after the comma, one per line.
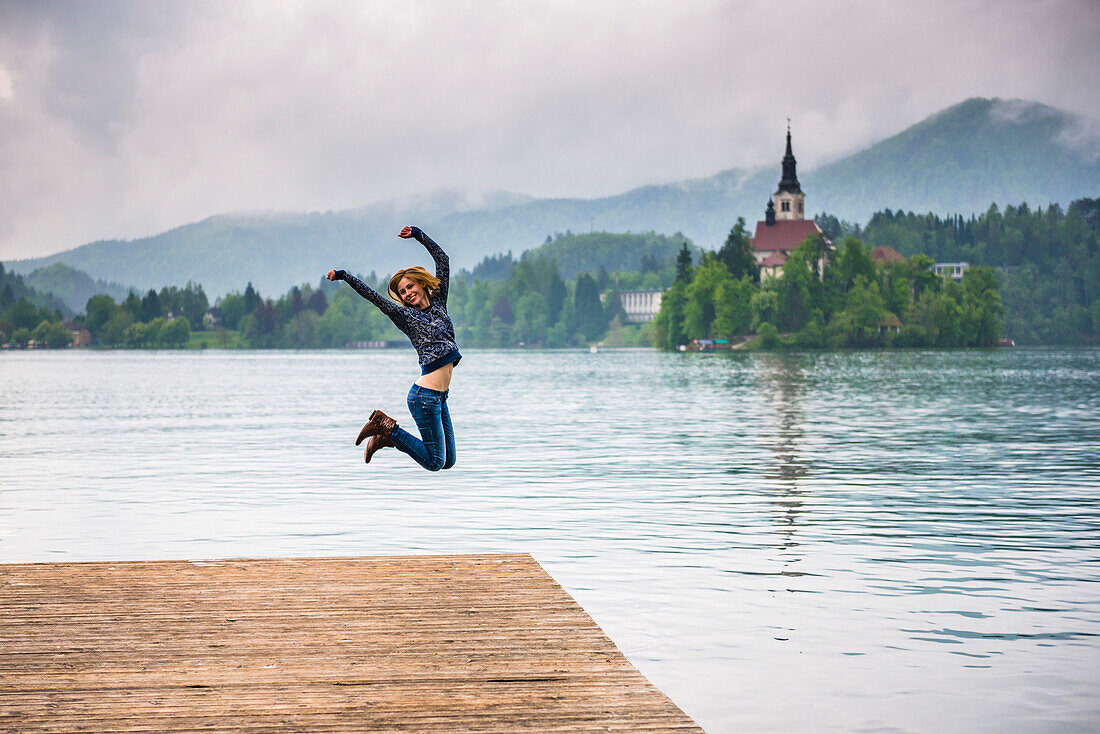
[413,294]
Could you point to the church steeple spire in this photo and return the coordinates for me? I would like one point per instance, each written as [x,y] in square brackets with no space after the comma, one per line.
[790,202]
[789,182]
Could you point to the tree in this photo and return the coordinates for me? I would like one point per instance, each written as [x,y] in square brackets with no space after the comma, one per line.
[296,301]
[769,336]
[318,302]
[815,251]
[1088,210]
[98,310]
[591,321]
[301,330]
[765,307]
[193,304]
[683,264]
[113,332]
[176,333]
[733,307]
[736,253]
[918,271]
[700,309]
[854,262]
[530,325]
[613,305]
[52,334]
[669,324]
[23,314]
[133,305]
[233,307]
[981,307]
[252,299]
[150,306]
[793,294]
[555,292]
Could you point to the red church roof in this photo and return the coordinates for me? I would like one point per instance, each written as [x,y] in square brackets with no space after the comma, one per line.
[785,234]
[774,260]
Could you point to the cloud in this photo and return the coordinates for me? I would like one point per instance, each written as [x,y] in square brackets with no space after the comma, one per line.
[6,90]
[127,118]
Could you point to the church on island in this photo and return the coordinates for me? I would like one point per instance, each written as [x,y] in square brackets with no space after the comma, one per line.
[785,225]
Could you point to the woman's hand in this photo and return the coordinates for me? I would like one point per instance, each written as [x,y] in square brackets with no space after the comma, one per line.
[406,233]
[331,275]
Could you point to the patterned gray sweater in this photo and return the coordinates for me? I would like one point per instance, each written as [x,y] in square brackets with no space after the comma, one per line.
[430,331]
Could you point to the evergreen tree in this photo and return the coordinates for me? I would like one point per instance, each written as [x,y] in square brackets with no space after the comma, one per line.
[133,305]
[736,253]
[318,302]
[613,306]
[683,264]
[251,299]
[591,321]
[150,306]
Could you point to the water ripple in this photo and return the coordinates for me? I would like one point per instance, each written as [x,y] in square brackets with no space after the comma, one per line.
[860,542]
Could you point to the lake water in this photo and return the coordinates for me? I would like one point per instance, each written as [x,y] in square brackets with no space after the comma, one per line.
[879,542]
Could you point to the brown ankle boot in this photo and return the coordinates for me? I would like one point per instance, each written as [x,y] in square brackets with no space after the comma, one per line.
[379,423]
[377,441]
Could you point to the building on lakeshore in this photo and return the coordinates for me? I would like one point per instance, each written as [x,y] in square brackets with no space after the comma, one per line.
[80,335]
[640,306]
[785,225]
[954,271]
[886,255]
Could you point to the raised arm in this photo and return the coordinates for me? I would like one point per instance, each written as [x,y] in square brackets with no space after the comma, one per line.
[385,305]
[442,262]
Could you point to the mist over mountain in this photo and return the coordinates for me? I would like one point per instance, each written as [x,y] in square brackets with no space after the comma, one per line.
[960,160]
[963,159]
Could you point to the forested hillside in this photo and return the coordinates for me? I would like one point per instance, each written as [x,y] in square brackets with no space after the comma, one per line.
[1047,262]
[592,252]
[963,159]
[27,315]
[73,286]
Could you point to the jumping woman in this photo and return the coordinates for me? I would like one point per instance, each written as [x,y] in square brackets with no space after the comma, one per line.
[421,312]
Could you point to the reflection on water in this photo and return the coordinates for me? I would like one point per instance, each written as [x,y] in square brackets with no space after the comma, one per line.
[854,542]
[781,381]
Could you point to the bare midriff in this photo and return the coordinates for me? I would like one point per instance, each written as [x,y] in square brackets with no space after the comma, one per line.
[439,380]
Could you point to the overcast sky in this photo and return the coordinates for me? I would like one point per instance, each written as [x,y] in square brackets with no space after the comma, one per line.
[123,119]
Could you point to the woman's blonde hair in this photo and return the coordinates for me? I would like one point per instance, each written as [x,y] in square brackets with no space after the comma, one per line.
[416,274]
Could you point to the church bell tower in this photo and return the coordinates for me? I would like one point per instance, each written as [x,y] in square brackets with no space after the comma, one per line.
[790,202]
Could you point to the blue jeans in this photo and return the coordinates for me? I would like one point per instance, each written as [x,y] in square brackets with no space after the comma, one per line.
[435,449]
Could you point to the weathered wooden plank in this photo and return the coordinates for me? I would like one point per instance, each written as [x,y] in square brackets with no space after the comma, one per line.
[422,643]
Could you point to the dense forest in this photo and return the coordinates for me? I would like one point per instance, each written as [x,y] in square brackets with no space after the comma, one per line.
[27,315]
[1046,262]
[503,302]
[157,320]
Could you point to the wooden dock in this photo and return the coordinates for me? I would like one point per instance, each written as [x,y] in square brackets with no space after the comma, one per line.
[410,644]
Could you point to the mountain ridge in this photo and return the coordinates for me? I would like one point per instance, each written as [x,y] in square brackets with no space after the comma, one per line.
[958,160]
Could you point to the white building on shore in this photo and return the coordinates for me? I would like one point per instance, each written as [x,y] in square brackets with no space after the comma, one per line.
[954,271]
[640,306]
